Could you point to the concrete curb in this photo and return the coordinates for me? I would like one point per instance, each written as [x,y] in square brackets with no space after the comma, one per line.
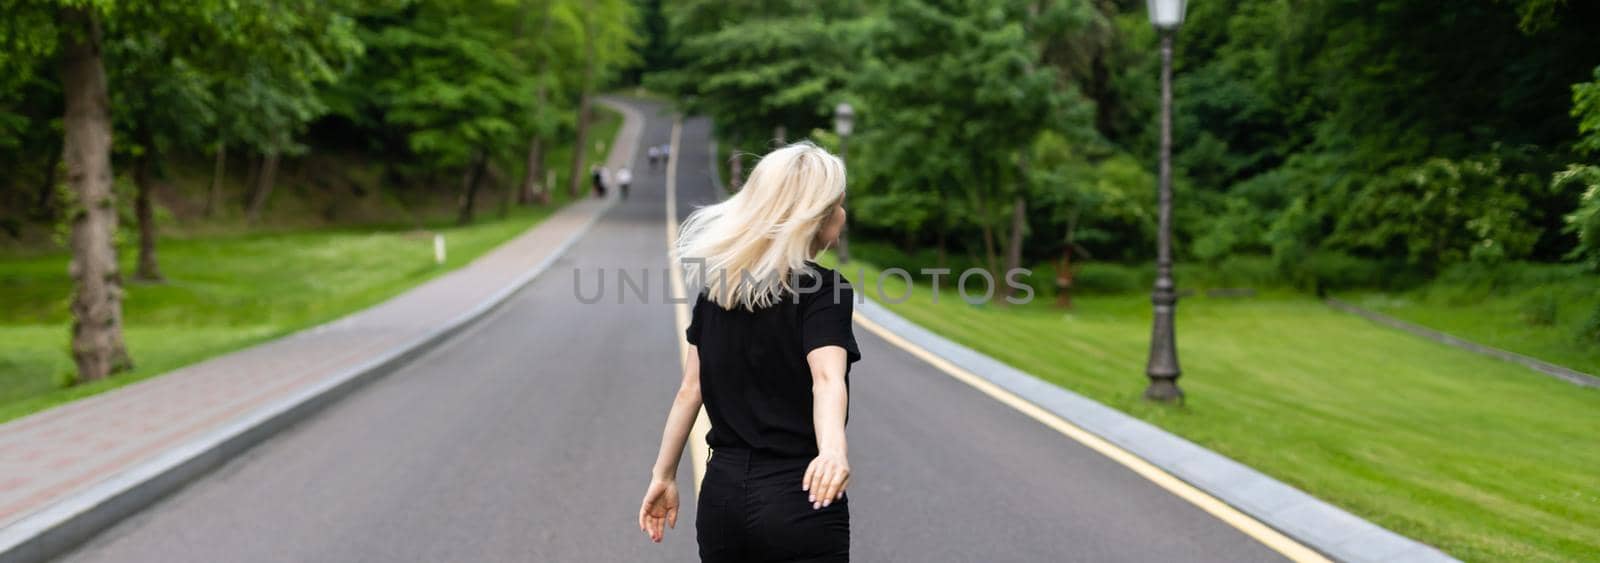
[70,522]
[1318,525]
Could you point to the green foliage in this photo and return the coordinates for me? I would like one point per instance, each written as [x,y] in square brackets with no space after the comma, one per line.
[440,73]
[1585,220]
[755,66]
[1589,331]
[1106,278]
[1586,107]
[1541,310]
[1441,211]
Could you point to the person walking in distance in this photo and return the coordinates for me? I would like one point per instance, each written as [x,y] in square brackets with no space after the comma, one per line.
[770,351]
[624,178]
[655,156]
[598,176]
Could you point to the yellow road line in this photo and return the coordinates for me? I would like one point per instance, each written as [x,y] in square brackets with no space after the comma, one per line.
[1221,510]
[697,433]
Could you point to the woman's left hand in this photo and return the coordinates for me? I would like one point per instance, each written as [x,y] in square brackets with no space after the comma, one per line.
[660,508]
[826,479]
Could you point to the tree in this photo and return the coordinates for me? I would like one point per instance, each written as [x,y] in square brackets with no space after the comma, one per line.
[442,76]
[759,69]
[548,32]
[952,92]
[608,40]
[97,344]
[75,33]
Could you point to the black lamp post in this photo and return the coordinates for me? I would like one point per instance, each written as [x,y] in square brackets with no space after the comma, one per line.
[1166,16]
[844,121]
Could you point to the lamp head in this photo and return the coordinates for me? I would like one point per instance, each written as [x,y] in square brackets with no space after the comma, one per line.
[1166,15]
[844,119]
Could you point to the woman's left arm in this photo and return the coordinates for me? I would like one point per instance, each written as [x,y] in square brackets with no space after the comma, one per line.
[660,507]
[829,473]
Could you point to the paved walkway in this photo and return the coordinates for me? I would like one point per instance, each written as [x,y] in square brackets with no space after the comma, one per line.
[55,457]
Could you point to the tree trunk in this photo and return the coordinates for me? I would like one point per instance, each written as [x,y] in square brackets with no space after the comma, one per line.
[778,134]
[986,223]
[531,192]
[581,144]
[469,195]
[214,197]
[580,149]
[269,169]
[252,176]
[1014,246]
[144,211]
[97,345]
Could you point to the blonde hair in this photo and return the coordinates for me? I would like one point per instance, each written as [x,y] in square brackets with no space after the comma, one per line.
[735,250]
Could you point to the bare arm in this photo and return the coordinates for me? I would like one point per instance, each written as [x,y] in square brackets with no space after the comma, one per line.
[829,473]
[660,507]
[685,407]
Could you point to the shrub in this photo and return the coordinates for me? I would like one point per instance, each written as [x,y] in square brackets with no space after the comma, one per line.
[1589,330]
[1541,309]
[1101,277]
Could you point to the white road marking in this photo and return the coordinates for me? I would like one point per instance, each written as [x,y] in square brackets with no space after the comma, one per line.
[697,433]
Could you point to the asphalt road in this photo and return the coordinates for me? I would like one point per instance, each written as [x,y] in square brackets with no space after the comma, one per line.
[529,437]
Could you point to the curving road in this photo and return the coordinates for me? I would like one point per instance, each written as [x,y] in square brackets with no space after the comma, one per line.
[529,437]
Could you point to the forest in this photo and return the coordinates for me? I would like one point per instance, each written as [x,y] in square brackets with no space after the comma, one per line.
[1325,144]
[1320,145]
[117,118]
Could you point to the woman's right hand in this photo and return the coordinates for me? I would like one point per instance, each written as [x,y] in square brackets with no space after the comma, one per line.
[660,508]
[826,479]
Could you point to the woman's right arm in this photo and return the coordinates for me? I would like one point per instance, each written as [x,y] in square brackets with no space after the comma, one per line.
[685,407]
[660,507]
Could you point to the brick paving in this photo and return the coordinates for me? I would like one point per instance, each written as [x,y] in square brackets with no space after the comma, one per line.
[48,457]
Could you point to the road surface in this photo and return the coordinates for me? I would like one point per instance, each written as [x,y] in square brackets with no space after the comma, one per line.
[529,437]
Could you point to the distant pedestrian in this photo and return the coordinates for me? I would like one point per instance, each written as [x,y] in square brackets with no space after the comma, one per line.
[666,154]
[624,178]
[655,156]
[599,177]
[770,348]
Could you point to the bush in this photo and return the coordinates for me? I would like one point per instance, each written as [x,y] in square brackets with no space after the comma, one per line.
[1508,277]
[1102,277]
[1256,272]
[1540,310]
[1324,270]
[1589,331]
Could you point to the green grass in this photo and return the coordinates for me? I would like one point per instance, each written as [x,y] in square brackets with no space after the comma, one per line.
[1482,458]
[1543,318]
[229,288]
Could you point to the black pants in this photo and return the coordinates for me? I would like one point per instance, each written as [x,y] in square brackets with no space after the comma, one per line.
[752,509]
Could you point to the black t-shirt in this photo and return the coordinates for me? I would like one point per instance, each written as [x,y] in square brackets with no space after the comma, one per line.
[754,378]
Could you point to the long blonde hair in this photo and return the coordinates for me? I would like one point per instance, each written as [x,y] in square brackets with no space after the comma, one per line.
[743,250]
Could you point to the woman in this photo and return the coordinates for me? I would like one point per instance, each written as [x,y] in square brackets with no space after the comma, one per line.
[770,352]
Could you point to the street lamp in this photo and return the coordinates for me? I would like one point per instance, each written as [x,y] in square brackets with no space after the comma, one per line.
[844,121]
[1166,16]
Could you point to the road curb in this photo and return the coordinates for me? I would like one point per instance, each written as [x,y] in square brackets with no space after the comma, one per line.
[70,522]
[1314,523]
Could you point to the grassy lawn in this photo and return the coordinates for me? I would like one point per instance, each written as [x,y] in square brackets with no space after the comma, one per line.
[1482,458]
[1543,318]
[229,290]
